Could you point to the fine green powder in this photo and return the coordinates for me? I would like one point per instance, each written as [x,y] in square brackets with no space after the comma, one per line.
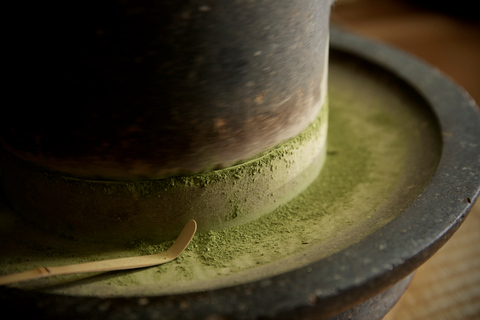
[366,181]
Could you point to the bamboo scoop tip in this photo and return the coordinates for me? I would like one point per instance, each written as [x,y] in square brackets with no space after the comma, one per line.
[184,238]
[193,223]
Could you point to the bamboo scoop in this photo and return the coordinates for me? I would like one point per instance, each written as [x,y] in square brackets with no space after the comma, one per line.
[110,265]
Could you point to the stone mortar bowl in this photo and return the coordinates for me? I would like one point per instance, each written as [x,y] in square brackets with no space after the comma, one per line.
[340,276]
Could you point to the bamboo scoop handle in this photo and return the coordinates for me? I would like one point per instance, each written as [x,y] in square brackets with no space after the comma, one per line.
[110,265]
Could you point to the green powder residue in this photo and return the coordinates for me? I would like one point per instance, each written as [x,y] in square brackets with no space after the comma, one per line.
[338,178]
[146,248]
[356,193]
[262,164]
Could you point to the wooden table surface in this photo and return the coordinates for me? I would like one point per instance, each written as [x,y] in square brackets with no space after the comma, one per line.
[446,287]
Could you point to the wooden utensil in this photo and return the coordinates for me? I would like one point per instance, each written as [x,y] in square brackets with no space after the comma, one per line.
[110,265]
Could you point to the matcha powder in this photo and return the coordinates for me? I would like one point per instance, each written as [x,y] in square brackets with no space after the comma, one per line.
[360,178]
